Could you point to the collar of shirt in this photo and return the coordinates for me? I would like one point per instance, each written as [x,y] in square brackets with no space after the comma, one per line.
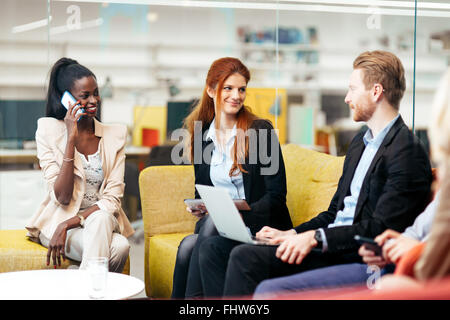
[376,141]
[211,135]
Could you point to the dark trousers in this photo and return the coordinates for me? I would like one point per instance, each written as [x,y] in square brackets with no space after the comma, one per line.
[187,282]
[337,276]
[230,268]
[180,273]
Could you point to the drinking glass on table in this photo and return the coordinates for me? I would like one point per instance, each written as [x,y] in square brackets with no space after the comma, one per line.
[97,269]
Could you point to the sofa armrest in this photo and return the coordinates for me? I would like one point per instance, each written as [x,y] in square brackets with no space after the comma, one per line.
[163,189]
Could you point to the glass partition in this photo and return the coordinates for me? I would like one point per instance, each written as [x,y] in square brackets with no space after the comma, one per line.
[333,34]
[432,59]
[24,61]
[151,59]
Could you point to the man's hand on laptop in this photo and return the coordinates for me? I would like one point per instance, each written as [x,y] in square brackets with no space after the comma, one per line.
[294,248]
[273,235]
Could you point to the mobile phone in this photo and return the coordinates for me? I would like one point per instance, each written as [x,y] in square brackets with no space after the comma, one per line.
[66,98]
[194,204]
[369,244]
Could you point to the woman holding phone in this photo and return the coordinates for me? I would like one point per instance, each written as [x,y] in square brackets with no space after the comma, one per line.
[82,161]
[234,140]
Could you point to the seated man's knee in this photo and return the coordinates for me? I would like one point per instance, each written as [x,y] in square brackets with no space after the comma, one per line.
[240,253]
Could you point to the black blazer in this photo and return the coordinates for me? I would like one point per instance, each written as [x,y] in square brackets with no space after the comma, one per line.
[394,192]
[265,194]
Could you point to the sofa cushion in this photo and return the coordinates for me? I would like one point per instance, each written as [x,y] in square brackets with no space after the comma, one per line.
[160,263]
[17,253]
[312,178]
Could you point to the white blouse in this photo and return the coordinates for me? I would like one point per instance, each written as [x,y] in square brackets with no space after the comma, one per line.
[221,163]
[93,172]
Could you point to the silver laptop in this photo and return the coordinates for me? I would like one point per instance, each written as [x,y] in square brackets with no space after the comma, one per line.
[225,215]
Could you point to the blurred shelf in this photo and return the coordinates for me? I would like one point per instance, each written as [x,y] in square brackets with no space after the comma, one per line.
[210,46]
[281,47]
[143,65]
[142,85]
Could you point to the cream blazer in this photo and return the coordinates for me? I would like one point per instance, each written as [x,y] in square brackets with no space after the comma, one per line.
[51,139]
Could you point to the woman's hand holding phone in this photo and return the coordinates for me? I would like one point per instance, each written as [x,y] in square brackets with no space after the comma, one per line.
[395,245]
[200,213]
[71,118]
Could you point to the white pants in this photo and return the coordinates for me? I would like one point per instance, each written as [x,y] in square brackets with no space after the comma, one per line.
[100,237]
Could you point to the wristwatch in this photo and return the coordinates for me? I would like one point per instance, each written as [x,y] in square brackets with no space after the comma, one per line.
[318,238]
[81,219]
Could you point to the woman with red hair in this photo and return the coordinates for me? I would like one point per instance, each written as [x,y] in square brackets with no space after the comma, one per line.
[230,148]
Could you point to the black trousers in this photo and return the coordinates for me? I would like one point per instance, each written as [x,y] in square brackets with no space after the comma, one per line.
[230,268]
[186,278]
[180,273]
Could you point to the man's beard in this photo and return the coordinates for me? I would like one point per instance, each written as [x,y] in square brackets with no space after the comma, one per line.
[363,113]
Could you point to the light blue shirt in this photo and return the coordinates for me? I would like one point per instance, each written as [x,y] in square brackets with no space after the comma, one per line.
[345,216]
[221,163]
[421,228]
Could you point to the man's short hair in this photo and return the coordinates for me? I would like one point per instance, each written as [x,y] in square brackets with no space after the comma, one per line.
[386,69]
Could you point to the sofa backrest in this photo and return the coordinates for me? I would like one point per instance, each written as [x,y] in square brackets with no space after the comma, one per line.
[312,178]
[163,189]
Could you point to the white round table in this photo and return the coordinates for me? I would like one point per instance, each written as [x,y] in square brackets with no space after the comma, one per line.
[65,284]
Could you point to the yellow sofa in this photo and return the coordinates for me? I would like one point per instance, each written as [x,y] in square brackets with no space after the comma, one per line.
[17,253]
[312,179]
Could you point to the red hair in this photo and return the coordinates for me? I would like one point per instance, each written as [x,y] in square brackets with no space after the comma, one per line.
[385,68]
[218,73]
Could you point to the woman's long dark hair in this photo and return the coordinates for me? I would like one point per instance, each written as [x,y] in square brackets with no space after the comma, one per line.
[62,77]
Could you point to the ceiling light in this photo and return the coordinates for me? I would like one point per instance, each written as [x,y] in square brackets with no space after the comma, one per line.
[336,6]
[31,26]
[152,17]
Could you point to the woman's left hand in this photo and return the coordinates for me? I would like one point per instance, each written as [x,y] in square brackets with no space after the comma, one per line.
[57,245]
[395,250]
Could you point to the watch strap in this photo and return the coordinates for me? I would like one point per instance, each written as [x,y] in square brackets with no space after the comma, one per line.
[318,238]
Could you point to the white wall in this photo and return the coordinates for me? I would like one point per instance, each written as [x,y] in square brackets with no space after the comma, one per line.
[20,196]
